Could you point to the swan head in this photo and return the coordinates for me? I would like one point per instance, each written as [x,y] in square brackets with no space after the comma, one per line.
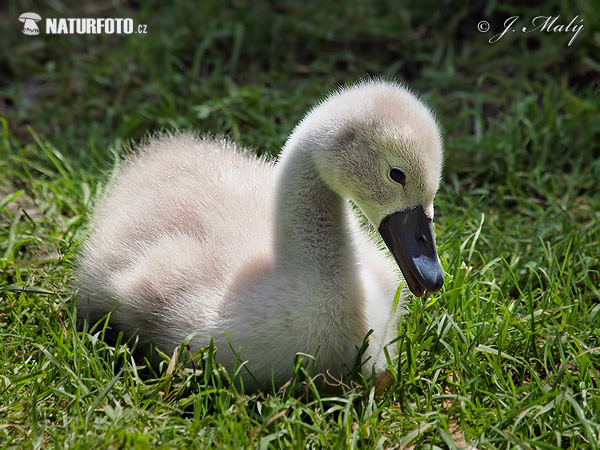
[380,146]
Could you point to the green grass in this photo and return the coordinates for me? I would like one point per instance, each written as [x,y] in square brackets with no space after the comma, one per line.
[506,356]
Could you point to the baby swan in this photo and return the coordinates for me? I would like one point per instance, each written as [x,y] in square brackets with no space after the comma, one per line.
[196,236]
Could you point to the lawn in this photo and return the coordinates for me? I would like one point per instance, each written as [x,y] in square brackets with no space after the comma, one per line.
[507,355]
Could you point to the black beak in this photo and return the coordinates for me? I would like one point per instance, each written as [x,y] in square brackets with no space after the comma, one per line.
[409,236]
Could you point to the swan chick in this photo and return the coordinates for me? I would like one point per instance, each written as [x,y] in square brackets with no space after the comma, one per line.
[197,238]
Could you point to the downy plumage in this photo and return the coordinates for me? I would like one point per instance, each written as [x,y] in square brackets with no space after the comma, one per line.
[195,235]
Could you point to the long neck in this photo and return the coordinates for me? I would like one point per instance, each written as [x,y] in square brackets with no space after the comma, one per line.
[312,237]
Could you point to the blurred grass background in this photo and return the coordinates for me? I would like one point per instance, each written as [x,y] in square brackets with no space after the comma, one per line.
[506,356]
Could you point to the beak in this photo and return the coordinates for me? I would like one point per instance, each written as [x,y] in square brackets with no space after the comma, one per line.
[409,236]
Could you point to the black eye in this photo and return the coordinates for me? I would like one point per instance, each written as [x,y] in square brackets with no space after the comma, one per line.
[398,176]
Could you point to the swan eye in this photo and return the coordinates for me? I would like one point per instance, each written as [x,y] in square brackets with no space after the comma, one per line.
[398,176]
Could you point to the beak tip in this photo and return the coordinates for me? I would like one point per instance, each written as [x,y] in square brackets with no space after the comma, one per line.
[437,285]
[431,277]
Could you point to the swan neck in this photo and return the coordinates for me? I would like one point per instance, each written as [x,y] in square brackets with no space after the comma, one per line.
[311,231]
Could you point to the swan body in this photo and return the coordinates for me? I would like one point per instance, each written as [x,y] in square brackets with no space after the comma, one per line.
[195,235]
